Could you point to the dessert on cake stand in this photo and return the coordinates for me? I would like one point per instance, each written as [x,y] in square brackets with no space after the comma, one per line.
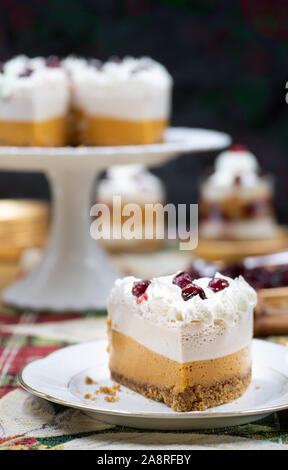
[75,274]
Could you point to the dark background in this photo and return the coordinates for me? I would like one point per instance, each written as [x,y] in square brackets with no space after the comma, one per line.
[228,60]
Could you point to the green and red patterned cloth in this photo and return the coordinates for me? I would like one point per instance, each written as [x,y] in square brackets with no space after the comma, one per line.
[29,422]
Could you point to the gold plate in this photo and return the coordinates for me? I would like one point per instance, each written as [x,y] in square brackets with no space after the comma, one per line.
[233,250]
[23,223]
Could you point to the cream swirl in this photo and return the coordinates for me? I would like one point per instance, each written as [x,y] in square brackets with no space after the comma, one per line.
[164,303]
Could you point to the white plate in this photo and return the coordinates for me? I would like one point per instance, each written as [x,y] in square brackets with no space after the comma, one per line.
[60,377]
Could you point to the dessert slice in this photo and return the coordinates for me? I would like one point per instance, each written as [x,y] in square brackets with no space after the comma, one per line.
[182,341]
[122,102]
[135,184]
[236,200]
[34,100]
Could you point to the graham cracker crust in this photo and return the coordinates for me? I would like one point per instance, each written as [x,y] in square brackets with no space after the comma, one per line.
[195,398]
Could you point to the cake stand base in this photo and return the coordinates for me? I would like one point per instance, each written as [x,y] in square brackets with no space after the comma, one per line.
[75,274]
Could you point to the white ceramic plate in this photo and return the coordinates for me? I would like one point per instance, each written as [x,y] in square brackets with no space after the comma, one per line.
[60,377]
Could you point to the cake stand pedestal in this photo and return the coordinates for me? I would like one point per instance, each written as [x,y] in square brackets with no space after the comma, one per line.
[75,274]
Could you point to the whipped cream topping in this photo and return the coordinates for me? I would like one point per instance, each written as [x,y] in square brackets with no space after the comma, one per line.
[41,95]
[229,165]
[165,304]
[134,183]
[133,89]
[129,70]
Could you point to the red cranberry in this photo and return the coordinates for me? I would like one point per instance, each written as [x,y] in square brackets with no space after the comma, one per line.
[191,290]
[26,73]
[114,58]
[259,277]
[1,67]
[53,61]
[140,68]
[139,288]
[238,148]
[237,181]
[217,284]
[97,64]
[142,297]
[182,279]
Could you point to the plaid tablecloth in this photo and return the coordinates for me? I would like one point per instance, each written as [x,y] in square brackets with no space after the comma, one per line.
[28,422]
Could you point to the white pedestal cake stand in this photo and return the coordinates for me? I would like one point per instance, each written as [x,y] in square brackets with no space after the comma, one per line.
[75,274]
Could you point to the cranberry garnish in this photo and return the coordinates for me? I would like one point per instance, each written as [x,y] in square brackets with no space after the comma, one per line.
[217,284]
[182,279]
[1,67]
[191,290]
[139,288]
[234,270]
[237,181]
[53,61]
[26,73]
[238,148]
[97,64]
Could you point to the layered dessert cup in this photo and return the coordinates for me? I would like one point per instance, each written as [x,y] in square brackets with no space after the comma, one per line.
[236,199]
[135,185]
[76,101]
[121,102]
[182,341]
[34,100]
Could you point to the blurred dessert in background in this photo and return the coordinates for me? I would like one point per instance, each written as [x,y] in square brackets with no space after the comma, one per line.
[122,102]
[50,102]
[236,200]
[267,274]
[135,184]
[34,100]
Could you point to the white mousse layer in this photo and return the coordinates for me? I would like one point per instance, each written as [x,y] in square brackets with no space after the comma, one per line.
[132,89]
[185,331]
[134,183]
[38,97]
[229,165]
